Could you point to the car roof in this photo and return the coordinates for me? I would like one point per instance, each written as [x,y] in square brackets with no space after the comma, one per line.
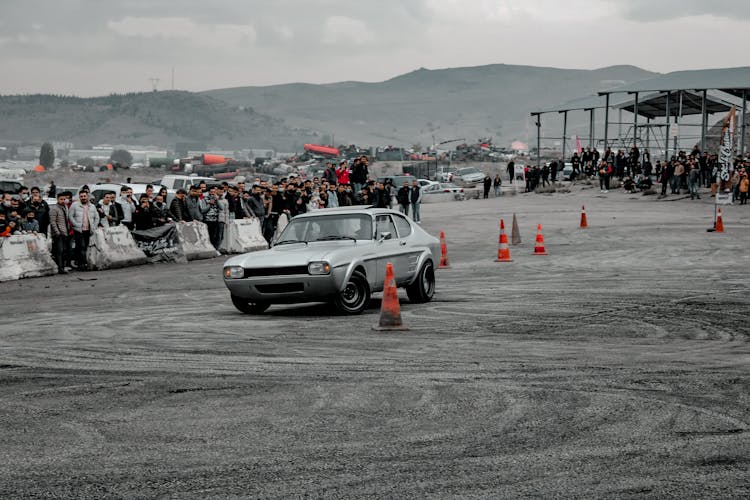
[359,209]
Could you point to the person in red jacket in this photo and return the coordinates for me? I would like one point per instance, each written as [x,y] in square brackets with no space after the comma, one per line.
[342,173]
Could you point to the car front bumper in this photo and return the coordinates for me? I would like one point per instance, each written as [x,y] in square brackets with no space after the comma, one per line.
[289,288]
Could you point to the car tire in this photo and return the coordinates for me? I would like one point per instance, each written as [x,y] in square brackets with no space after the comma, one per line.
[247,307]
[423,287]
[355,297]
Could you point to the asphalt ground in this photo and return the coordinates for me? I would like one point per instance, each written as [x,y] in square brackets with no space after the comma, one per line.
[616,366]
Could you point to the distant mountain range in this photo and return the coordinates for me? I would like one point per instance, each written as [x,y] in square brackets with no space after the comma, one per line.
[423,106]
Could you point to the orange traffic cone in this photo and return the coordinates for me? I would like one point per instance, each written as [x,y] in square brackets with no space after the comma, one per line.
[503,252]
[539,246]
[390,310]
[584,222]
[443,252]
[719,223]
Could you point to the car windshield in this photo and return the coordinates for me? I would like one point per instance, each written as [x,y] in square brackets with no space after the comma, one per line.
[327,228]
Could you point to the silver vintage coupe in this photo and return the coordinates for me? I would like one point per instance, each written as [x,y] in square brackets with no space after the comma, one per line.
[335,255]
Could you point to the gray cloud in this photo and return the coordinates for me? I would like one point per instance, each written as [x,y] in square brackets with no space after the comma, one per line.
[97,46]
[651,10]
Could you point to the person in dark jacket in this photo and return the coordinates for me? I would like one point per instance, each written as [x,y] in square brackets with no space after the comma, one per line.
[382,196]
[41,209]
[178,209]
[142,217]
[487,184]
[403,198]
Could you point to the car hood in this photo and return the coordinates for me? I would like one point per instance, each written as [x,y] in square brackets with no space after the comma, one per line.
[299,254]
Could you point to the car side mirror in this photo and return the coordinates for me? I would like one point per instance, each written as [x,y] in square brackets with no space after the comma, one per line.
[385,236]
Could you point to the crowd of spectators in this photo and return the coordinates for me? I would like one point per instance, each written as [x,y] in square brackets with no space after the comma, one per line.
[682,172]
[71,220]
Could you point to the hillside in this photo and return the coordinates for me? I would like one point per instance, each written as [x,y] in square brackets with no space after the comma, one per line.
[470,102]
[153,118]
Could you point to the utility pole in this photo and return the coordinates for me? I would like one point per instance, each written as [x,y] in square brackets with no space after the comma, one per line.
[172,77]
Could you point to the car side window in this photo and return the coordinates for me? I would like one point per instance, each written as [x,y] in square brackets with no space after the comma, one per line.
[384,224]
[403,226]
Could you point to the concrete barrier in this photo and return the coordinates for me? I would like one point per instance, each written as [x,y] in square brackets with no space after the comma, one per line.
[160,244]
[193,237]
[25,256]
[243,235]
[113,247]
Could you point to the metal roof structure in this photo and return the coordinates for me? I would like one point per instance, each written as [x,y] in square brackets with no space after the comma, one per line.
[730,80]
[682,102]
[581,104]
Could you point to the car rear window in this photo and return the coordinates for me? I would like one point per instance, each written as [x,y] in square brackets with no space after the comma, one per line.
[403,226]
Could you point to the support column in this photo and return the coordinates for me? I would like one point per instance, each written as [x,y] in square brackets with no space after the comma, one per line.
[635,121]
[744,110]
[704,119]
[565,135]
[666,135]
[606,122]
[648,133]
[591,129]
[538,140]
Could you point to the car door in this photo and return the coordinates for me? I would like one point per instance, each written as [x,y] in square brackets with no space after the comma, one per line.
[388,245]
[408,256]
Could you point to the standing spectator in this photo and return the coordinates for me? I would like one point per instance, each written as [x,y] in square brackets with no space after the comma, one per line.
[344,195]
[84,218]
[511,170]
[382,197]
[108,213]
[487,184]
[359,173]
[329,174]
[694,180]
[416,200]
[52,190]
[575,161]
[553,170]
[403,198]
[256,205]
[677,173]
[178,209]
[342,173]
[234,200]
[59,230]
[196,207]
[497,184]
[223,204]
[126,206]
[142,217]
[8,226]
[30,224]
[604,172]
[41,209]
[211,217]
[545,175]
[159,210]
[744,188]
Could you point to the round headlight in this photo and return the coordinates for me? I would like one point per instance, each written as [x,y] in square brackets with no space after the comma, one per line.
[319,268]
[234,272]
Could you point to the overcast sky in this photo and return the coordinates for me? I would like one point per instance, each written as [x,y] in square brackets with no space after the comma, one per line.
[96,47]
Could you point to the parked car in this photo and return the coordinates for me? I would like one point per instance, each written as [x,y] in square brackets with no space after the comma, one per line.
[567,171]
[470,175]
[423,183]
[443,191]
[336,255]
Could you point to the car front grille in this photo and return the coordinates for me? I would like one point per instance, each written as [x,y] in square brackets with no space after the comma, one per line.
[281,288]
[275,271]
